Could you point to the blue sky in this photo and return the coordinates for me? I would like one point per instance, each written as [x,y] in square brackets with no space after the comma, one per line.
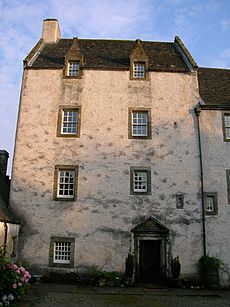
[203,26]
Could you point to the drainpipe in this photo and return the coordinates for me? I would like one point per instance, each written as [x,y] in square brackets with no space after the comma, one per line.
[6,230]
[197,112]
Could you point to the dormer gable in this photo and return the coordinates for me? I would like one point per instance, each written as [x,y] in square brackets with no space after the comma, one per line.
[73,61]
[138,62]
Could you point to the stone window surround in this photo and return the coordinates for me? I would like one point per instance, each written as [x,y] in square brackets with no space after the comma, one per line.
[59,122]
[51,252]
[149,128]
[56,176]
[214,195]
[228,184]
[223,126]
[141,169]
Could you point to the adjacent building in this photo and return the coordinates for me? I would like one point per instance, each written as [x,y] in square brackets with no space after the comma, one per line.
[9,224]
[121,147]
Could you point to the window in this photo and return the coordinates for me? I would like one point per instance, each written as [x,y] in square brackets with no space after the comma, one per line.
[140,180]
[226,126]
[68,122]
[179,201]
[139,124]
[65,182]
[138,70]
[62,252]
[228,184]
[210,202]
[73,69]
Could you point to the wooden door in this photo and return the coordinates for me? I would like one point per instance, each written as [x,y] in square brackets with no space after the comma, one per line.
[149,266]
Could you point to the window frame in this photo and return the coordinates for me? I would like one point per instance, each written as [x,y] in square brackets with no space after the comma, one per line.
[130,123]
[147,170]
[69,62]
[179,201]
[133,70]
[215,203]
[51,252]
[63,109]
[224,127]
[57,170]
[228,185]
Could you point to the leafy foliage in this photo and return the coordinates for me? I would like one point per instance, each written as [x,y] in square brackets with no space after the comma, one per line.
[208,263]
[13,279]
[175,267]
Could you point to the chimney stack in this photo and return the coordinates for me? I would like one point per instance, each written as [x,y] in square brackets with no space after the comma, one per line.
[3,161]
[51,31]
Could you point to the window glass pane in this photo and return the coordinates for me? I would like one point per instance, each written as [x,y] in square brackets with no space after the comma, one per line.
[68,178]
[140,181]
[138,70]
[61,252]
[69,122]
[73,69]
[210,203]
[139,123]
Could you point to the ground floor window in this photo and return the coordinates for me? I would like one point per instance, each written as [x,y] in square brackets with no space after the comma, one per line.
[62,252]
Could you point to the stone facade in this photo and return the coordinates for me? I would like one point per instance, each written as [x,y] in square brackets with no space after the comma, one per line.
[104,219]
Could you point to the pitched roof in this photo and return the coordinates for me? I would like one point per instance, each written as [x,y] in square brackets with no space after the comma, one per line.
[6,215]
[112,54]
[214,85]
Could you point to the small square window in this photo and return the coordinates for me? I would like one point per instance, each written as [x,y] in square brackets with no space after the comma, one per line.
[73,69]
[62,252]
[65,182]
[140,180]
[139,122]
[226,126]
[210,201]
[138,70]
[68,122]
[179,201]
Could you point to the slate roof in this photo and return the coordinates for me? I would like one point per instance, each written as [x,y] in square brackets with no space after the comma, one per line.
[6,215]
[214,85]
[112,54]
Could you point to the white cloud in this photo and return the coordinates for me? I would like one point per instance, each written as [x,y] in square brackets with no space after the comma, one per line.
[225,25]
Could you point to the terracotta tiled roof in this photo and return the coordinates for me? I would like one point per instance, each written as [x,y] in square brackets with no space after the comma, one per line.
[112,54]
[6,215]
[214,85]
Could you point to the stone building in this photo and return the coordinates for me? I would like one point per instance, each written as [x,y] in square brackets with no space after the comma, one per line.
[121,147]
[9,225]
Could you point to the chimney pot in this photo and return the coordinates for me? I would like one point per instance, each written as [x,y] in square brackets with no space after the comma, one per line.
[51,31]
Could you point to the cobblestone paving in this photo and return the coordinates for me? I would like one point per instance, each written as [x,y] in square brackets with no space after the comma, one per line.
[71,296]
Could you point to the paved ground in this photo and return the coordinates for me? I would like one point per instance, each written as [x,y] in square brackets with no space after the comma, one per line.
[53,295]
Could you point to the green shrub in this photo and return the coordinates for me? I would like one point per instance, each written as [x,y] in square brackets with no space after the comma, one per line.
[207,263]
[175,267]
[13,279]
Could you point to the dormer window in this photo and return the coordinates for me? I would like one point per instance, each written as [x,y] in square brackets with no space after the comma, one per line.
[138,70]
[73,69]
[138,62]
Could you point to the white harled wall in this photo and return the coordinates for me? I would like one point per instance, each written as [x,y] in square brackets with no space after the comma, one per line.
[101,218]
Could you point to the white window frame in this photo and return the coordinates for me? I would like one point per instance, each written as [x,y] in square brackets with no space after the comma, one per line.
[210,207]
[138,70]
[227,126]
[62,250]
[140,178]
[69,123]
[138,123]
[73,68]
[65,180]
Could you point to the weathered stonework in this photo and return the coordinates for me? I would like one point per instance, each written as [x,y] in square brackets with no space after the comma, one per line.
[37,152]
[101,217]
